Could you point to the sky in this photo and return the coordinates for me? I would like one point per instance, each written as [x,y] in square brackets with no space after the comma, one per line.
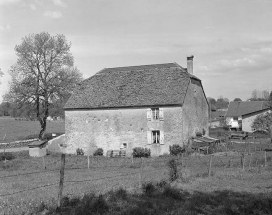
[231,40]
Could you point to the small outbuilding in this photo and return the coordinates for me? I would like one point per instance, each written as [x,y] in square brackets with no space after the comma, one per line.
[37,148]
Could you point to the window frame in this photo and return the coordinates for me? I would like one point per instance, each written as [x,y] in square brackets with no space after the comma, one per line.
[157,135]
[155,114]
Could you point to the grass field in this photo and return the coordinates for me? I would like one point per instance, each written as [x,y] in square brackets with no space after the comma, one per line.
[24,184]
[20,130]
[21,175]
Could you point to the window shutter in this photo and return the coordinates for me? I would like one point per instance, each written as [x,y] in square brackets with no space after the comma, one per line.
[148,137]
[148,114]
[161,138]
[161,114]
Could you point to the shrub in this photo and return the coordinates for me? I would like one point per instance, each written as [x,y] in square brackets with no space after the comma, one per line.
[173,172]
[139,152]
[6,156]
[148,188]
[176,149]
[172,193]
[199,134]
[79,151]
[98,152]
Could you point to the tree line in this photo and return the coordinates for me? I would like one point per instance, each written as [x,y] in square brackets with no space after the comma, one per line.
[256,95]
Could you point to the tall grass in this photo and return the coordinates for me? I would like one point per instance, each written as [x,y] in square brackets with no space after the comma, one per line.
[168,200]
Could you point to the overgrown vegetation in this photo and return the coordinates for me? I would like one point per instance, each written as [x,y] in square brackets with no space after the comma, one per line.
[79,151]
[164,200]
[173,170]
[139,152]
[176,150]
[98,152]
[262,122]
[6,156]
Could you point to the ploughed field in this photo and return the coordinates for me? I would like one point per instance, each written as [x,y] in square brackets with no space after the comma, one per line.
[14,130]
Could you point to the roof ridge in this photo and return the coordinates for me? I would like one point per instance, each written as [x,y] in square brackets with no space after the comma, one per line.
[143,65]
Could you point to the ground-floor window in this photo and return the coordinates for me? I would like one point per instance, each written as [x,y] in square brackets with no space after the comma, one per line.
[155,136]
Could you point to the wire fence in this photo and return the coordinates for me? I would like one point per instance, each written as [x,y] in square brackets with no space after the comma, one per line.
[244,159]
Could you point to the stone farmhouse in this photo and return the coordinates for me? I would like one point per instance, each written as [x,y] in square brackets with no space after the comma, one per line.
[150,106]
[242,114]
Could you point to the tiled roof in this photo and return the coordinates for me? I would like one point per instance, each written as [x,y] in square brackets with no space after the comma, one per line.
[217,114]
[147,85]
[237,109]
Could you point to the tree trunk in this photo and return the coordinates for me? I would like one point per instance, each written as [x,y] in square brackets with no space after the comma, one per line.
[43,119]
[43,127]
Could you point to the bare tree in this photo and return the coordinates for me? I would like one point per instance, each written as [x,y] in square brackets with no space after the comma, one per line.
[265,95]
[254,95]
[44,73]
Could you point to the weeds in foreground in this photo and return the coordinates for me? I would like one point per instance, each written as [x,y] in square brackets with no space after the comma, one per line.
[161,198]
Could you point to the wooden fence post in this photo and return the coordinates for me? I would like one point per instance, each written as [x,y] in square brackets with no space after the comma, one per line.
[61,180]
[4,145]
[88,157]
[243,161]
[265,159]
[250,159]
[210,166]
[141,172]
[44,166]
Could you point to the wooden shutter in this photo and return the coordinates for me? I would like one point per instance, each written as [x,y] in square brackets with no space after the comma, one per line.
[161,138]
[161,114]
[148,114]
[149,133]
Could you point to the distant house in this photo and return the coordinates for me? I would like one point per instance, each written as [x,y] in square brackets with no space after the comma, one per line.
[216,116]
[242,114]
[151,106]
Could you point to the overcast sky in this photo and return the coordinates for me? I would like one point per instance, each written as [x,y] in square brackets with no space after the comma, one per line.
[230,39]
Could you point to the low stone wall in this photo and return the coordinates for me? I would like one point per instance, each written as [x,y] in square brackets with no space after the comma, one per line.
[17,143]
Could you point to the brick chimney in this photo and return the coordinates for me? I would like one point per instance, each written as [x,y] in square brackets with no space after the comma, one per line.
[190,64]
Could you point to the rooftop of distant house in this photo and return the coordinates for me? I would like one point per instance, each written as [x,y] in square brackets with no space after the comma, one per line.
[240,108]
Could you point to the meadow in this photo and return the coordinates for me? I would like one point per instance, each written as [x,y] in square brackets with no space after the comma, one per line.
[14,130]
[26,186]
[239,181]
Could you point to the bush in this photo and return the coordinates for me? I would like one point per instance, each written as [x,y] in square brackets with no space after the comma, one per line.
[172,193]
[176,149]
[173,172]
[6,156]
[199,134]
[140,152]
[79,151]
[148,188]
[98,152]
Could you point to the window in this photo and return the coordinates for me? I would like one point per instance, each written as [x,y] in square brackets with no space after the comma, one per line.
[155,113]
[123,146]
[155,136]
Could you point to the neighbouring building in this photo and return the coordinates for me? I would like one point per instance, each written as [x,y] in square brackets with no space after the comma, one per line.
[216,117]
[150,106]
[241,115]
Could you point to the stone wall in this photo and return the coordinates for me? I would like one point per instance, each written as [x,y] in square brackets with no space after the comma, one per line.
[195,117]
[110,128]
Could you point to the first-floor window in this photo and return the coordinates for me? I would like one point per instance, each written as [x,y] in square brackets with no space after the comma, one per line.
[155,113]
[155,136]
